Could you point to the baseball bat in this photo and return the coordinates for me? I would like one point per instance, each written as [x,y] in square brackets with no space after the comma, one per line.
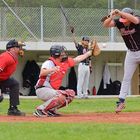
[105,17]
[66,18]
[64,14]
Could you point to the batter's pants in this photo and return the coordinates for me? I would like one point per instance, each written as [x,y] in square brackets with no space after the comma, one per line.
[132,60]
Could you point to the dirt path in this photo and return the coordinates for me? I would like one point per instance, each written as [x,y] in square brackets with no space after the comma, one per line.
[133,117]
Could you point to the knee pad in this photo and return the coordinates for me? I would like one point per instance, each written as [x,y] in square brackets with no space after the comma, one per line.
[63,98]
[67,93]
[69,96]
[56,102]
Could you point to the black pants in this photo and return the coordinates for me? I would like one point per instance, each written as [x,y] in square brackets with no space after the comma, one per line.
[13,86]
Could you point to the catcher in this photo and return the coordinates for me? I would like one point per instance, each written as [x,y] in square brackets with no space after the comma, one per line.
[52,73]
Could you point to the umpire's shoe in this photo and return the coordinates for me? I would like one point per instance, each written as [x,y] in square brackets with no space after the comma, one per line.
[15,112]
[120,106]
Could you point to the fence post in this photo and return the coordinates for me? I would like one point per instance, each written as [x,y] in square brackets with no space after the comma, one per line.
[111,30]
[41,20]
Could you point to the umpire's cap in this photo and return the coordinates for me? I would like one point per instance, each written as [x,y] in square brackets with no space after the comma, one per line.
[56,50]
[126,10]
[14,43]
[85,38]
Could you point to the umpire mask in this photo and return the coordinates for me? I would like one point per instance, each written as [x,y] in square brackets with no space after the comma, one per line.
[18,44]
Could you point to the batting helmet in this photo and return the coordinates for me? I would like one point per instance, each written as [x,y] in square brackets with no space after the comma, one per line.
[14,43]
[128,10]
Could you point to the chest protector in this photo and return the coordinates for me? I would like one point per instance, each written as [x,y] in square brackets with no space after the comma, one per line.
[57,77]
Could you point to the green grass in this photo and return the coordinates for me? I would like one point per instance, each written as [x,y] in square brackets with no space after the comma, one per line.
[78,105]
[73,131]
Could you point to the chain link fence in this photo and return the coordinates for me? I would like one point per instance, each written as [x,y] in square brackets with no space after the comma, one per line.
[48,24]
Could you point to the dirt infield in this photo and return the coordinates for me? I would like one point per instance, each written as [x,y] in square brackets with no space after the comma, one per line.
[90,117]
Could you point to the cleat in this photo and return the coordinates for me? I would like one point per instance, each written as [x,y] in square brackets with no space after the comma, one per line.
[15,112]
[39,113]
[120,107]
[53,114]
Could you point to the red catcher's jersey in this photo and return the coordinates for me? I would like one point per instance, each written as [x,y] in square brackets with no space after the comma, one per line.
[57,77]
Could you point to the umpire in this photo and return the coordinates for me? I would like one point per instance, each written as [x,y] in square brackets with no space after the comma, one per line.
[8,64]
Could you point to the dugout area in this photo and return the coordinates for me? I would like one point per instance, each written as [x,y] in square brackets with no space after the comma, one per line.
[111,54]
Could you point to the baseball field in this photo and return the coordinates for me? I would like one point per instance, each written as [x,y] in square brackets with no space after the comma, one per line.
[88,119]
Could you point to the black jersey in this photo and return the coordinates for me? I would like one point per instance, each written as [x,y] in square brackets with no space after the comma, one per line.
[130,34]
[82,50]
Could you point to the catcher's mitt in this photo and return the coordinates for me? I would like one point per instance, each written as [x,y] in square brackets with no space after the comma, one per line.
[95,48]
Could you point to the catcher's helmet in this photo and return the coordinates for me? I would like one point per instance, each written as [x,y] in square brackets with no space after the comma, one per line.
[128,10]
[56,50]
[14,43]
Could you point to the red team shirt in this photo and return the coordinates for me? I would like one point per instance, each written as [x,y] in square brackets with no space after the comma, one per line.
[8,64]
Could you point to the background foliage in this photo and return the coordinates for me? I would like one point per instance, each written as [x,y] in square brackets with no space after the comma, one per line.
[135,4]
[84,15]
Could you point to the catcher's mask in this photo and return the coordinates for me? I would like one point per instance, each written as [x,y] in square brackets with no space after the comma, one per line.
[59,51]
[18,44]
